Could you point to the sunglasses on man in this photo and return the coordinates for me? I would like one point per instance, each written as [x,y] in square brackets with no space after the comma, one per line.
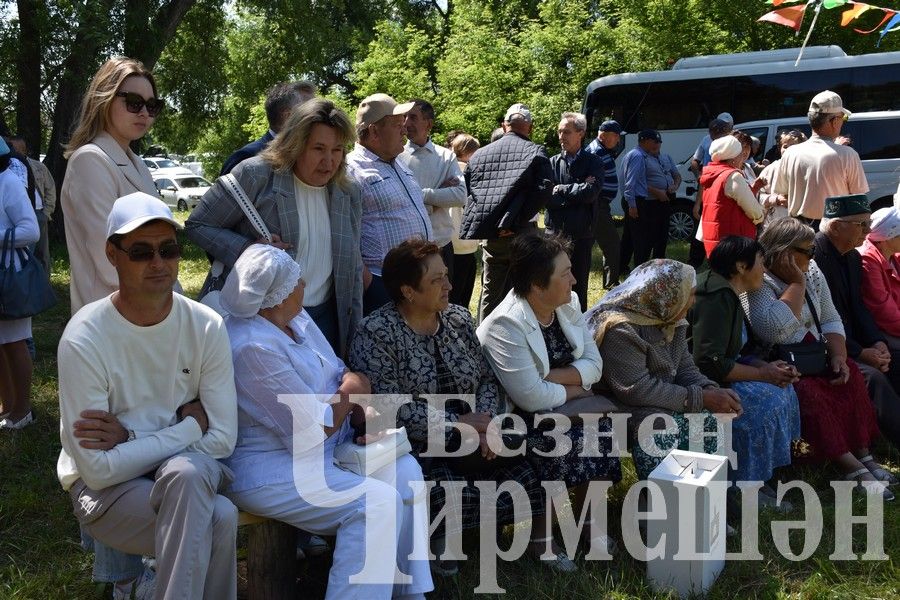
[141,252]
[135,102]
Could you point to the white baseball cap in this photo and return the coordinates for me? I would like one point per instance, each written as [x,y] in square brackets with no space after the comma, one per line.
[828,102]
[131,211]
[518,109]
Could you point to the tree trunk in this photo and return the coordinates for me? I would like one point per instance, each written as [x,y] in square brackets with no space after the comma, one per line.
[146,37]
[271,562]
[143,42]
[28,68]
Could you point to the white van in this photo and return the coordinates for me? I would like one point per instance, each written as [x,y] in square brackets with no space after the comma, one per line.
[874,135]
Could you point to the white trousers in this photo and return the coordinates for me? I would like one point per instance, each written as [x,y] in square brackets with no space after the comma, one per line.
[327,507]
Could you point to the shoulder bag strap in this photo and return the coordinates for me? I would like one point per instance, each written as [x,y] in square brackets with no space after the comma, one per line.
[815,315]
[237,192]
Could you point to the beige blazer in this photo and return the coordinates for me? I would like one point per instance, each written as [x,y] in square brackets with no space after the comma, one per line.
[97,174]
[512,341]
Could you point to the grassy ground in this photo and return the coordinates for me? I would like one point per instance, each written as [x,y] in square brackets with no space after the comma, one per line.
[40,557]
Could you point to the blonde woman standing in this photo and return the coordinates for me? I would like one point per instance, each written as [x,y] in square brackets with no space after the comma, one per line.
[119,107]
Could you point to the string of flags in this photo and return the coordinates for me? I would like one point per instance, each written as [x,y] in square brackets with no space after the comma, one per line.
[792,16]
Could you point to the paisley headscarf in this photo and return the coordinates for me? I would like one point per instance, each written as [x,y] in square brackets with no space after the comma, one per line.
[655,293]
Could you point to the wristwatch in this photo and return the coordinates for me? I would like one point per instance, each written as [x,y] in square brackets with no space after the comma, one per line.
[131,435]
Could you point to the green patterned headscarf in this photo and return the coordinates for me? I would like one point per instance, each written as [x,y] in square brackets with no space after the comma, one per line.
[655,293]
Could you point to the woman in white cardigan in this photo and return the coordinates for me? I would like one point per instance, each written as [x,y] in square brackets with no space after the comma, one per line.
[118,108]
[544,355]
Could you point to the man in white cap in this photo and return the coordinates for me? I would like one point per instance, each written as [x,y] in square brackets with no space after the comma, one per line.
[147,405]
[820,168]
[393,206]
[508,182]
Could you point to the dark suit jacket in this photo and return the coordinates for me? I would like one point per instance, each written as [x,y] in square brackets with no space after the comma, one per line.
[844,276]
[574,203]
[248,151]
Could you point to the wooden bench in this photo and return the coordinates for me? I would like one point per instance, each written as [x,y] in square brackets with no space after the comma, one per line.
[271,558]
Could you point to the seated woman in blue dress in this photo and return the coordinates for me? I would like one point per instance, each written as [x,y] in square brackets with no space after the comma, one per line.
[283,462]
[762,435]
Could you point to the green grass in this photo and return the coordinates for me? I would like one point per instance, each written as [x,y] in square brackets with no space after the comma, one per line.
[40,557]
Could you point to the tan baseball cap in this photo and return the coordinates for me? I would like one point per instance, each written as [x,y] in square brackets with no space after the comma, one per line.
[378,106]
[828,102]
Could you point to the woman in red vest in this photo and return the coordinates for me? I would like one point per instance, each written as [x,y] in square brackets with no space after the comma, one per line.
[729,205]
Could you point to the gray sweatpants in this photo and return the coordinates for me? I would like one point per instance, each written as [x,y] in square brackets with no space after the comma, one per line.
[179,517]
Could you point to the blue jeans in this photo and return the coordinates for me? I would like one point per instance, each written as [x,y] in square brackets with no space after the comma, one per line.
[111,565]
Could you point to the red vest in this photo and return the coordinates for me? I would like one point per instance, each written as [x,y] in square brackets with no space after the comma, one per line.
[721,214]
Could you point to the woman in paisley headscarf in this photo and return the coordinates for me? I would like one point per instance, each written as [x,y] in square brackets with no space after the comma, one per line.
[641,331]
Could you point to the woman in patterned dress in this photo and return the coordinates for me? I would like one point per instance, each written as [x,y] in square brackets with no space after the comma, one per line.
[420,344]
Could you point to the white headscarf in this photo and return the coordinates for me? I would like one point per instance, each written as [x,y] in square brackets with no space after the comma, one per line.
[724,148]
[263,277]
[885,224]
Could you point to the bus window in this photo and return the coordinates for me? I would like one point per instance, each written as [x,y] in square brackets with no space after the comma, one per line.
[874,88]
[784,95]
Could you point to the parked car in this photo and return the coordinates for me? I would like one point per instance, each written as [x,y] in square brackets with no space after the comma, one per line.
[192,163]
[182,192]
[159,165]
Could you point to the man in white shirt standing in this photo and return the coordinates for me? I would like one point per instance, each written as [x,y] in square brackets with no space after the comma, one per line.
[820,168]
[437,171]
[147,405]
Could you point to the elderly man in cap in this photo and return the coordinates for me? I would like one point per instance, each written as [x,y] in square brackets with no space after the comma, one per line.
[820,168]
[647,199]
[508,182]
[147,404]
[604,145]
[393,206]
[845,223]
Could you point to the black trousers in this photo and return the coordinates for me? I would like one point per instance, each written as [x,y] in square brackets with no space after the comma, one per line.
[465,267]
[649,233]
[581,268]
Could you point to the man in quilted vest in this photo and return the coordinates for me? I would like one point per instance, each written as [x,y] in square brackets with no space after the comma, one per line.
[508,182]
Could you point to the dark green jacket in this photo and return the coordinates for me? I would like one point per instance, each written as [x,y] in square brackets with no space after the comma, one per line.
[716,326]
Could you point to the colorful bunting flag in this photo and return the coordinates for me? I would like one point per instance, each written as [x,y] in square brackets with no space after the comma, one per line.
[791,17]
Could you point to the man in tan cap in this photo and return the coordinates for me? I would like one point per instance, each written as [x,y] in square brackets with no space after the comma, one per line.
[393,207]
[819,167]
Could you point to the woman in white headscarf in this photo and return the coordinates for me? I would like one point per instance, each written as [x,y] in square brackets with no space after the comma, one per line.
[283,462]
[880,254]
[729,205]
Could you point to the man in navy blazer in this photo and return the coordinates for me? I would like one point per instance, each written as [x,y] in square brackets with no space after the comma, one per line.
[281,98]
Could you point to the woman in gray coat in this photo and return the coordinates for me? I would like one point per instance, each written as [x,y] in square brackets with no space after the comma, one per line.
[300,189]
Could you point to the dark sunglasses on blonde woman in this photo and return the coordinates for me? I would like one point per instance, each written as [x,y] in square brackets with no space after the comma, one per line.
[135,102]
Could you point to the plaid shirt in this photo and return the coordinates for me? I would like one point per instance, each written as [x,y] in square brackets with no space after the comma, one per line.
[393,208]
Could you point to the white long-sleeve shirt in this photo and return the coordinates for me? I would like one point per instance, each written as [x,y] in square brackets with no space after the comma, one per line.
[143,375]
[432,165]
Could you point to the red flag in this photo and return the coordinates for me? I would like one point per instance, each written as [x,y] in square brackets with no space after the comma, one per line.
[790,17]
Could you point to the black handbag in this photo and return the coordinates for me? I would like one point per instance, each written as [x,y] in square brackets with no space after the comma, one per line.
[26,292]
[809,358]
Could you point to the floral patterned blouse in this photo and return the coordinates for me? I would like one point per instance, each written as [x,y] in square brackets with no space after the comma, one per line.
[397,360]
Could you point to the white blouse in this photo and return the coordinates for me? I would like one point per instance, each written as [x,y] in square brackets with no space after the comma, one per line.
[283,389]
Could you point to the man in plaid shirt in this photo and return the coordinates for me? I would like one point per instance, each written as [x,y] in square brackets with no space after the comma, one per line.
[393,204]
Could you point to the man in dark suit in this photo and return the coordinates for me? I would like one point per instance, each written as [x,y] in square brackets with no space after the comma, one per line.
[281,98]
[578,176]
[844,226]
